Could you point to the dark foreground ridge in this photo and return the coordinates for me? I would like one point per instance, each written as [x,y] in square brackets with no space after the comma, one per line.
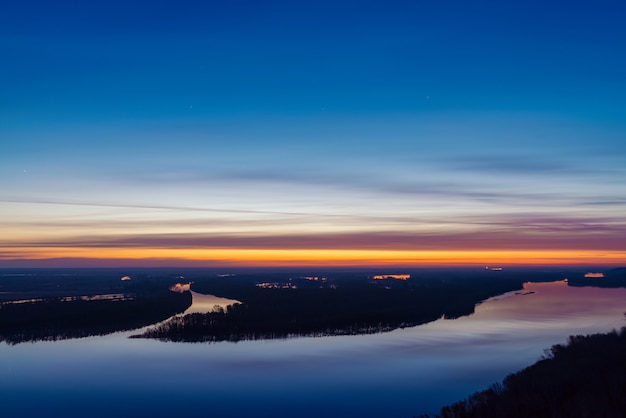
[584,379]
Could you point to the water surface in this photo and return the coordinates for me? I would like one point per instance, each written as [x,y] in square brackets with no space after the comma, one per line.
[207,303]
[397,374]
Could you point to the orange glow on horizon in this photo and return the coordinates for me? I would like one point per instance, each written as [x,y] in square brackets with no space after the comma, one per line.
[331,257]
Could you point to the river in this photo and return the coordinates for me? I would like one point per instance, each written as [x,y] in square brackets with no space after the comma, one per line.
[402,373]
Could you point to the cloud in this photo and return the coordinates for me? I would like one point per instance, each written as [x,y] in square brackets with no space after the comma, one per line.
[530,164]
[506,164]
[511,234]
[68,202]
[603,203]
[85,262]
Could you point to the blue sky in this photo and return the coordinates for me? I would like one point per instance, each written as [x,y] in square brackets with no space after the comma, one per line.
[484,124]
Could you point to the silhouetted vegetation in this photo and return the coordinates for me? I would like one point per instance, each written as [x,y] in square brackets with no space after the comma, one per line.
[584,379]
[348,304]
[334,303]
[612,278]
[50,305]
[59,318]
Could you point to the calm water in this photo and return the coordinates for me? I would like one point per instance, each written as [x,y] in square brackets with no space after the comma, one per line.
[398,374]
[207,303]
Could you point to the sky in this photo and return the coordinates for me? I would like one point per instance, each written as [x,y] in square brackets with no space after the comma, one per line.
[337,133]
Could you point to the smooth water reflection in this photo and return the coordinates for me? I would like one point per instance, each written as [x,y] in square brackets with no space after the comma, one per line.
[398,374]
[207,303]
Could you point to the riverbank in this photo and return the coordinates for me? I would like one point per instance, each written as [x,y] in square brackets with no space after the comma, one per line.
[584,378]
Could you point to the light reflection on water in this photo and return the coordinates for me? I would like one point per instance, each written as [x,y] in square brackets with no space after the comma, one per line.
[397,374]
[207,303]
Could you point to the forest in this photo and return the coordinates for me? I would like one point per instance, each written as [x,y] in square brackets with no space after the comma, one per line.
[347,304]
[48,308]
[59,304]
[586,378]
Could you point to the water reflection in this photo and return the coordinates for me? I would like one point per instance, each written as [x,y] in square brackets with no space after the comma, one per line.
[58,318]
[554,305]
[207,303]
[202,303]
[399,374]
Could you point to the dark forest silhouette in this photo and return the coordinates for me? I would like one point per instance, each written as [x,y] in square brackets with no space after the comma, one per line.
[51,308]
[354,305]
[66,304]
[586,378]
[55,319]
[612,278]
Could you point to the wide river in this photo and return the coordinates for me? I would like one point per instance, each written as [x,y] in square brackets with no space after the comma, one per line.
[402,373]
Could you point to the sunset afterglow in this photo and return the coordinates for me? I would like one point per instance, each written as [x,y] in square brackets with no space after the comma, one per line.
[326,133]
[316,257]
[312,208]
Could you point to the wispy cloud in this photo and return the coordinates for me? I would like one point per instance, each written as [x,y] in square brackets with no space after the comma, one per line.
[507,164]
[521,234]
[67,202]
[381,180]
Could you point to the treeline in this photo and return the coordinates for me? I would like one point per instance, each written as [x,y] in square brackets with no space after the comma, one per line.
[353,307]
[612,278]
[57,318]
[584,379]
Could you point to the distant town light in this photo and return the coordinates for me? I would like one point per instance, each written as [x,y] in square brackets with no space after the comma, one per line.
[392,277]
[594,275]
[181,287]
[275,285]
[314,278]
